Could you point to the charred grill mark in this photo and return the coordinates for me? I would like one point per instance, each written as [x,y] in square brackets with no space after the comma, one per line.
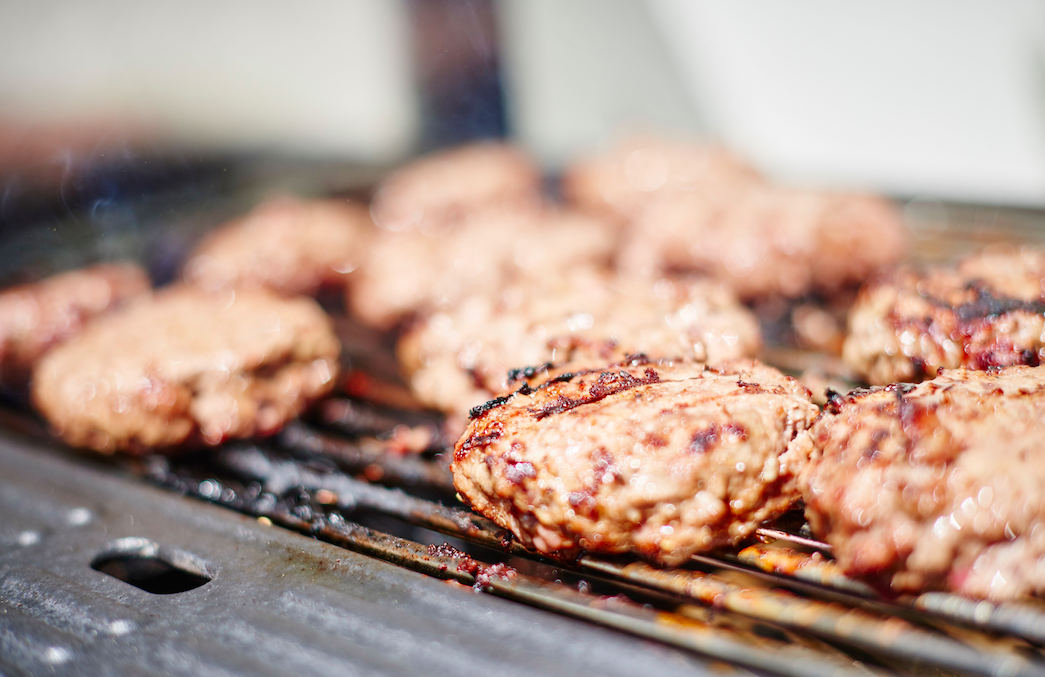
[608,383]
[527,372]
[490,434]
[561,404]
[483,409]
[985,304]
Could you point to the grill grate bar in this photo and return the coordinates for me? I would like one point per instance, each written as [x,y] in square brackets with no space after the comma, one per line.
[371,458]
[683,631]
[1021,619]
[879,634]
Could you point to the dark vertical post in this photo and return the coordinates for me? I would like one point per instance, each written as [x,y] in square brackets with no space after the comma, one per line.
[456,59]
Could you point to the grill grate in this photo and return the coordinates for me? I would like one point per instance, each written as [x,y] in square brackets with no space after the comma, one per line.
[773,606]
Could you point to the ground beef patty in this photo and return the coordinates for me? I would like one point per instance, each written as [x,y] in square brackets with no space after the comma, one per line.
[35,317]
[638,170]
[461,357]
[658,458]
[768,241]
[411,272]
[185,367]
[985,311]
[439,189]
[935,486]
[287,245]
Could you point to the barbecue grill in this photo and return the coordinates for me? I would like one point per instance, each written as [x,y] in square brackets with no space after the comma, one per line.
[325,548]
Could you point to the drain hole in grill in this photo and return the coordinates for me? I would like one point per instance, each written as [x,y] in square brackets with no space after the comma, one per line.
[152,568]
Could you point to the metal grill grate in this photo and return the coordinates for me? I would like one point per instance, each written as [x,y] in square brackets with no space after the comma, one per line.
[779,606]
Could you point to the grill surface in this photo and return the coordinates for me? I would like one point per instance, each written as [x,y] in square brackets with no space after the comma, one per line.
[387,584]
[277,603]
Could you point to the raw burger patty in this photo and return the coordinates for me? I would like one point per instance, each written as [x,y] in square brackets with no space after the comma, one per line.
[461,357]
[662,459]
[287,245]
[184,367]
[35,317]
[988,310]
[935,486]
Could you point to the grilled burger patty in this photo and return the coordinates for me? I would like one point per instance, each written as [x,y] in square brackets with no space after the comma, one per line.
[461,357]
[768,241]
[622,181]
[935,486]
[988,310]
[35,317]
[665,459]
[411,272]
[287,245]
[439,189]
[183,367]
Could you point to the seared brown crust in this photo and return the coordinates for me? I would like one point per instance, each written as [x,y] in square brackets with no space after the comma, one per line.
[768,241]
[637,171]
[461,357]
[935,486]
[436,191]
[184,366]
[411,272]
[287,245]
[658,458]
[35,317]
[987,311]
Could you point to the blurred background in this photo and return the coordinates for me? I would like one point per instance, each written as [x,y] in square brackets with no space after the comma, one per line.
[932,100]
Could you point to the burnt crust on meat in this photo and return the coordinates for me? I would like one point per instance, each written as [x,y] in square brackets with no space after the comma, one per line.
[935,486]
[986,311]
[286,245]
[35,317]
[661,458]
[184,367]
[462,356]
[437,190]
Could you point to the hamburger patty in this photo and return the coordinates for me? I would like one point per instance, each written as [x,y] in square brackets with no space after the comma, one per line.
[411,272]
[183,367]
[287,245]
[35,317]
[985,311]
[935,486]
[768,241]
[441,188]
[664,459]
[637,171]
[461,357]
